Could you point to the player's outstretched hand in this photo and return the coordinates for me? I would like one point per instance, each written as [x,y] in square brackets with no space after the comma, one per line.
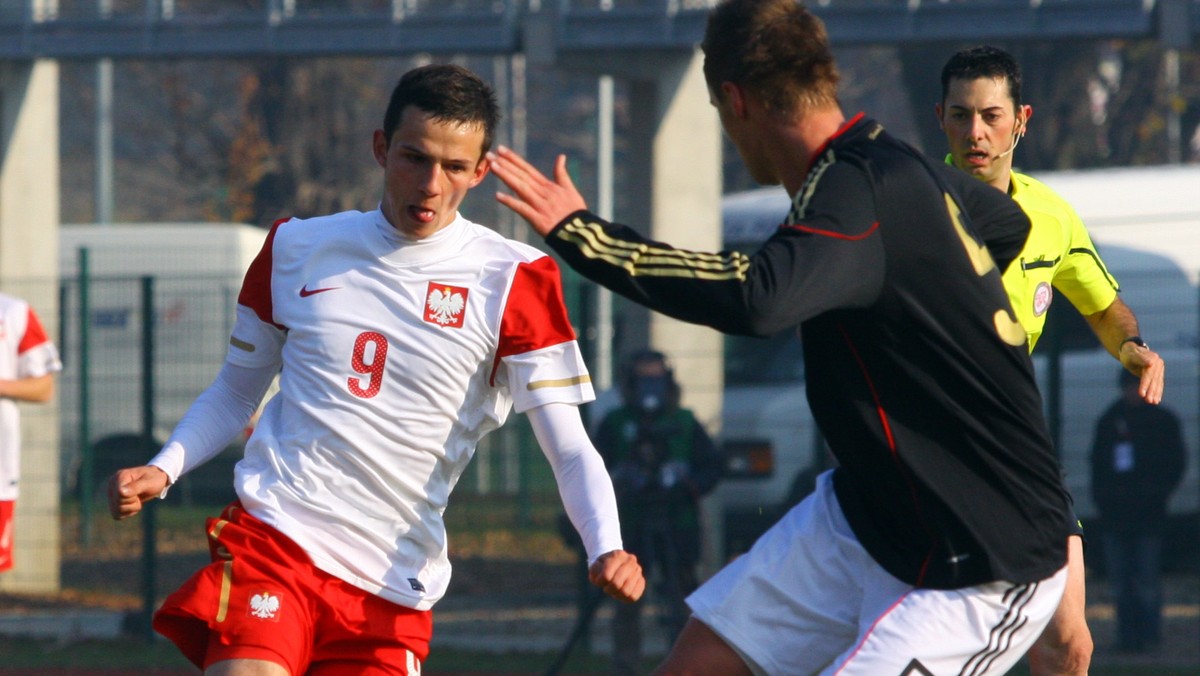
[537,199]
[619,574]
[130,487]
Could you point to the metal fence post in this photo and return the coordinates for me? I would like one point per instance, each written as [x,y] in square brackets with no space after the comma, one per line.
[85,432]
[149,525]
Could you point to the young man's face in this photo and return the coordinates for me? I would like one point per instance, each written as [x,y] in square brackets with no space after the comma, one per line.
[428,167]
[982,122]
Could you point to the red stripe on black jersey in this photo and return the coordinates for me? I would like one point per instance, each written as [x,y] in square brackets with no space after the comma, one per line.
[829,233]
[891,443]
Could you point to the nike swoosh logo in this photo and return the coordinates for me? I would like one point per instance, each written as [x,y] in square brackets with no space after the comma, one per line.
[305,292]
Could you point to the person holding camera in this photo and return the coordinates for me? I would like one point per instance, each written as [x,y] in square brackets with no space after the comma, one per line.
[662,462]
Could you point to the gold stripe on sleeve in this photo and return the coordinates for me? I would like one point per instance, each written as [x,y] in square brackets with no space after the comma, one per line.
[241,344]
[644,260]
[558,382]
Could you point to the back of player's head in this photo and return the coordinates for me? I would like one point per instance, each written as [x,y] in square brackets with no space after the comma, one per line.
[775,48]
[449,94]
[983,61]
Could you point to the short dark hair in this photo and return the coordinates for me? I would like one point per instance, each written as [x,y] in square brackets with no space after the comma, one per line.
[983,61]
[775,48]
[448,93]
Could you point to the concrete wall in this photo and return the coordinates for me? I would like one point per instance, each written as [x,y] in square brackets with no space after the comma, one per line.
[685,211]
[29,217]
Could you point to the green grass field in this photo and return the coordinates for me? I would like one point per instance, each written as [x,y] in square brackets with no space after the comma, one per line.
[46,658]
[484,532]
[127,656]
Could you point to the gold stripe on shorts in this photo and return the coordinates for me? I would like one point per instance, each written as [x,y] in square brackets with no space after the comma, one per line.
[226,585]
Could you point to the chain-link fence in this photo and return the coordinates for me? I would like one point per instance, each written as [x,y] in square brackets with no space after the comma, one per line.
[137,351]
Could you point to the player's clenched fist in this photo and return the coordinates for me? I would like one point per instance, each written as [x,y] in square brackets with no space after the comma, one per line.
[619,574]
[130,487]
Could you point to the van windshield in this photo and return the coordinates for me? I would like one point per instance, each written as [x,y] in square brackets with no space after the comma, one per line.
[758,361]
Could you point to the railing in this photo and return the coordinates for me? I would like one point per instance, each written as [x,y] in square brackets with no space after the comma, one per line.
[216,28]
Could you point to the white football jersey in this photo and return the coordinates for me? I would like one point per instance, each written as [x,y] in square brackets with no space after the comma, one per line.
[25,352]
[397,357]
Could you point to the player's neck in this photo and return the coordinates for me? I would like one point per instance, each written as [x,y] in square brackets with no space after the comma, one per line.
[801,140]
[1003,181]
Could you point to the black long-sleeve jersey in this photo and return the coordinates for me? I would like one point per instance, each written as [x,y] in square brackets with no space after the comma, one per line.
[917,371]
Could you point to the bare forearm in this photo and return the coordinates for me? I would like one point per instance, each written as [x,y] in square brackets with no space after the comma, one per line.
[38,389]
[1113,325]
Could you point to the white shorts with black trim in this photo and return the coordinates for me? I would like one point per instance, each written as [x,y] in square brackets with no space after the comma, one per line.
[808,599]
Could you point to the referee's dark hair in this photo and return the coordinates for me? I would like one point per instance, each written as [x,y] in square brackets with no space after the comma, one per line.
[980,62]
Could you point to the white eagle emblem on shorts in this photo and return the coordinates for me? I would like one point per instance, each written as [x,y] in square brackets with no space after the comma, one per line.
[264,606]
[444,305]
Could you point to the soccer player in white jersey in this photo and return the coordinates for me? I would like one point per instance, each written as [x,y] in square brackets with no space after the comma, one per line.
[401,337]
[28,362]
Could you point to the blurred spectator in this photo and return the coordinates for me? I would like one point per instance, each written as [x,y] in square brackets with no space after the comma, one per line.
[1137,461]
[662,462]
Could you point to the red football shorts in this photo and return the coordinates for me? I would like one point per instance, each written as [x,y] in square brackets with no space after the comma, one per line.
[262,598]
[6,534]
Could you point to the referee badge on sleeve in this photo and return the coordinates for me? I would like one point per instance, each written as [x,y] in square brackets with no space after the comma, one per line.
[1042,296]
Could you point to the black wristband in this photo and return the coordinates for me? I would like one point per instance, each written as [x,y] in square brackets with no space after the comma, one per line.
[1136,340]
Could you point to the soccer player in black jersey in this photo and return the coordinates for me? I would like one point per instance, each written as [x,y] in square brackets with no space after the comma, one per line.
[938,543]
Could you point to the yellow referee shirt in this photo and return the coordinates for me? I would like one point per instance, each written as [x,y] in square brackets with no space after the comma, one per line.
[1059,253]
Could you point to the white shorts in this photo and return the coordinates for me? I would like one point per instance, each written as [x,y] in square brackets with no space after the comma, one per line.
[808,599]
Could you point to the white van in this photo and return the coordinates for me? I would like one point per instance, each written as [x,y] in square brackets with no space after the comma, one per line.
[1146,224]
[197,271]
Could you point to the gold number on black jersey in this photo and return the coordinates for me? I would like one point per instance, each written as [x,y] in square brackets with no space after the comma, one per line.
[1007,326]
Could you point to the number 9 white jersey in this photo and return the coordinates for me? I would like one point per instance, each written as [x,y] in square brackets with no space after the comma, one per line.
[397,357]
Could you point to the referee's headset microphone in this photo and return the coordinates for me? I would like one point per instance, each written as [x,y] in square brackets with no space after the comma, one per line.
[1018,134]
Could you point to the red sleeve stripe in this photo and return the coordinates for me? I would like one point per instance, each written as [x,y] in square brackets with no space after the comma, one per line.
[34,333]
[535,315]
[256,287]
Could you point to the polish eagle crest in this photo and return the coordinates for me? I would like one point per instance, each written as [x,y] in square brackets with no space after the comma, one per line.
[445,305]
[264,605]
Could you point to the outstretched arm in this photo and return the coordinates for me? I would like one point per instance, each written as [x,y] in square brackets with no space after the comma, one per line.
[540,201]
[588,497]
[1112,326]
[216,417]
[829,256]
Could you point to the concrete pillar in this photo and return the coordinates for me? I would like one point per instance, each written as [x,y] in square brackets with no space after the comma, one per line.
[29,218]
[678,135]
[674,173]
[685,210]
